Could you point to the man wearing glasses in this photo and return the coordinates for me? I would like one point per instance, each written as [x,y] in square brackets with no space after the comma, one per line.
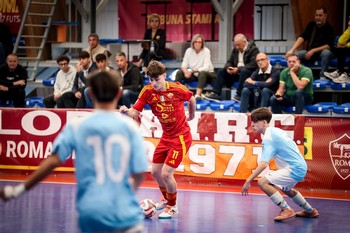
[260,86]
[64,83]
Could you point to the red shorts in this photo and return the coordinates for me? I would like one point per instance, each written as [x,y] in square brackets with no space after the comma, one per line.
[171,150]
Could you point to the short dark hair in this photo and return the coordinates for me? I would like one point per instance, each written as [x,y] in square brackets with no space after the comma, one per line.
[121,54]
[104,85]
[155,68]
[84,54]
[62,58]
[101,57]
[261,114]
[94,35]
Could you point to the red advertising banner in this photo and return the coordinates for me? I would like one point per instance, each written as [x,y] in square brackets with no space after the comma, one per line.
[181,19]
[224,145]
[9,15]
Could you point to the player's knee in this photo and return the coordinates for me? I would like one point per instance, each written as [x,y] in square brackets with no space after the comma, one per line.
[262,182]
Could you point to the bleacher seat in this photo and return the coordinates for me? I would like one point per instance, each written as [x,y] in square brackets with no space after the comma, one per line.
[224,105]
[236,106]
[35,102]
[49,82]
[322,107]
[277,60]
[291,109]
[7,103]
[342,108]
[320,84]
[340,86]
[201,105]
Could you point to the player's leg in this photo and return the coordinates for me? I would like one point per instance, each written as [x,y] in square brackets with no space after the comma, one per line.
[179,148]
[297,197]
[159,157]
[278,179]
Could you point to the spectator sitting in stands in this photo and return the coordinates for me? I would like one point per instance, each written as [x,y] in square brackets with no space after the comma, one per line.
[158,37]
[95,47]
[320,36]
[64,83]
[260,86]
[6,45]
[341,51]
[239,67]
[197,65]
[132,80]
[85,66]
[13,80]
[295,87]
[102,65]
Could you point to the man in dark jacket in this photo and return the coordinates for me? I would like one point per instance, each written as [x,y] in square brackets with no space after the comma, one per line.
[13,81]
[84,67]
[238,68]
[132,80]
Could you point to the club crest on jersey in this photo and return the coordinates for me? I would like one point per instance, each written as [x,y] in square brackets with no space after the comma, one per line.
[339,151]
[170,95]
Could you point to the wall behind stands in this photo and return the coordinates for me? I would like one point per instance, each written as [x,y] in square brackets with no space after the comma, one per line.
[223,147]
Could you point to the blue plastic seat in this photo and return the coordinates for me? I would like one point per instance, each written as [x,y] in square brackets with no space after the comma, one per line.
[49,82]
[321,84]
[236,106]
[202,104]
[322,107]
[7,103]
[223,105]
[35,102]
[291,109]
[340,86]
[342,109]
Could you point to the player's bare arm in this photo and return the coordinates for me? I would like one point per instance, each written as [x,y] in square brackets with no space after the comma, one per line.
[191,108]
[255,174]
[43,171]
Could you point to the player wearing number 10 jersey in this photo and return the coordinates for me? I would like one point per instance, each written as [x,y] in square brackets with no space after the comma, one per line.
[110,163]
[167,104]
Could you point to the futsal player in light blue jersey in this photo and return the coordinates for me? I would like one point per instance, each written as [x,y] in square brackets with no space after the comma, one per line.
[291,165]
[110,163]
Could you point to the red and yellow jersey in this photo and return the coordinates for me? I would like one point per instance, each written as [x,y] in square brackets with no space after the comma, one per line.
[167,106]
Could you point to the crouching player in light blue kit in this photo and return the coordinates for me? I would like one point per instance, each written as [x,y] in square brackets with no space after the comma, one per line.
[291,165]
[110,163]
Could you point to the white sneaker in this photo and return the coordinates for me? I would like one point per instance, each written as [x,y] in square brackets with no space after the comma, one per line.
[343,78]
[162,204]
[169,212]
[332,75]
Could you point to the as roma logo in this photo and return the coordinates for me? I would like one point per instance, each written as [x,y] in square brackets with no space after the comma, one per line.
[339,151]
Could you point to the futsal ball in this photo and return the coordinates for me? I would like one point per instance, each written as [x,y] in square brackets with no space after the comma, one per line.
[148,207]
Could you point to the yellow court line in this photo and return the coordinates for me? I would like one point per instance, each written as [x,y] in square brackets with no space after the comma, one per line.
[60,169]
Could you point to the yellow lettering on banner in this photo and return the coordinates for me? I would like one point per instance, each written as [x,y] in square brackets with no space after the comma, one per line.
[308,135]
[218,159]
[217,19]
[8,6]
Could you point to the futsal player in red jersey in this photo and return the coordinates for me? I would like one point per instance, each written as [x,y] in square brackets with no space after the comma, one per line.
[167,104]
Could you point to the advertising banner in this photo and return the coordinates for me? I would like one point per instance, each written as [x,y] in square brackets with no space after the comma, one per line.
[224,145]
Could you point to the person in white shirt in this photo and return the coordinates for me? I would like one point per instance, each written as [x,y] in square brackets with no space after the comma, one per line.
[64,83]
[197,65]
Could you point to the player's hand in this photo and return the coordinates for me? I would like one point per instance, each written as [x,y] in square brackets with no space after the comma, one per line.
[245,188]
[123,109]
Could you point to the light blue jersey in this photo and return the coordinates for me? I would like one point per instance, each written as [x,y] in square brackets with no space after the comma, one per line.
[279,146]
[108,148]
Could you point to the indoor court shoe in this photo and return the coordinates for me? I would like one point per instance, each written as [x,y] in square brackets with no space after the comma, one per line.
[313,214]
[162,204]
[332,75]
[285,214]
[343,78]
[213,97]
[169,212]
